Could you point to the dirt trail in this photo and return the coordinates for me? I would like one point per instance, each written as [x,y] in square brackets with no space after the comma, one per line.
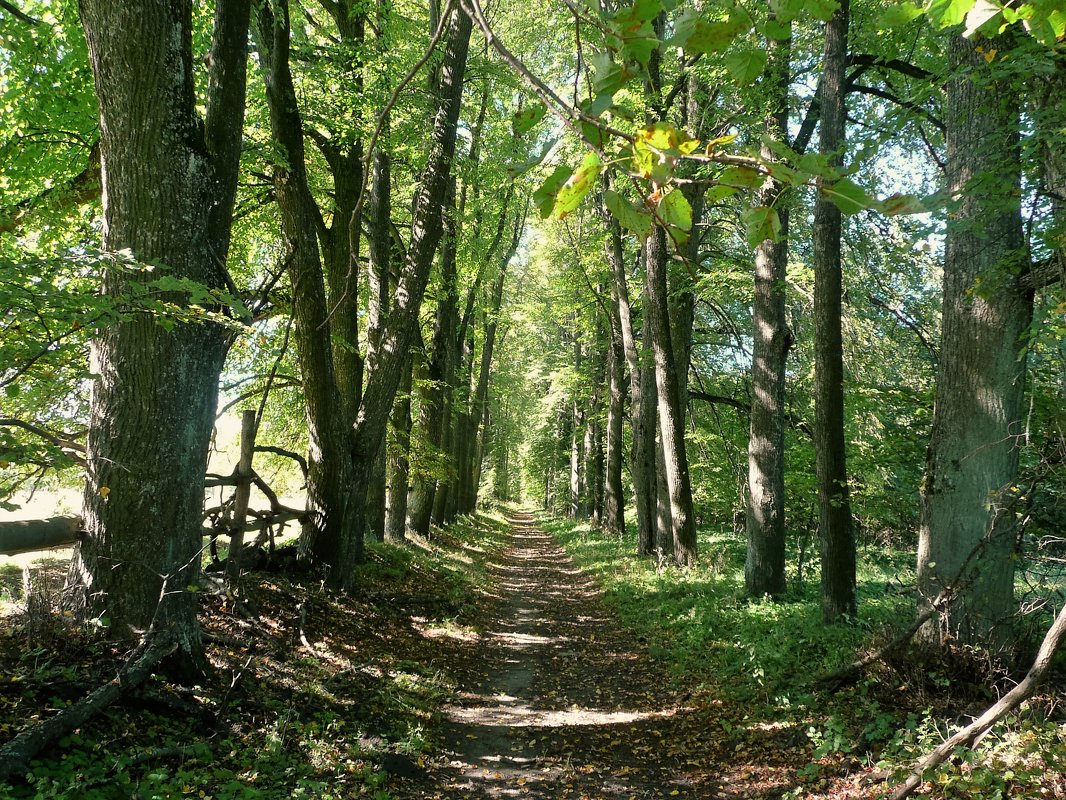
[564,704]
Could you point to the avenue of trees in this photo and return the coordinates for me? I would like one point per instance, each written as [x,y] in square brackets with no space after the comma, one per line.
[792,267]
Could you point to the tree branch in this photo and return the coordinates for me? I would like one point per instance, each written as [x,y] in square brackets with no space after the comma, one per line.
[64,442]
[980,726]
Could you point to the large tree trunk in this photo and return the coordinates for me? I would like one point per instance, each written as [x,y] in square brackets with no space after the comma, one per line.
[480,408]
[671,419]
[329,533]
[837,534]
[435,410]
[380,242]
[764,567]
[968,530]
[169,184]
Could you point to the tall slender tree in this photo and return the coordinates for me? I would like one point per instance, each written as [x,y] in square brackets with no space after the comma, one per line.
[834,506]
[764,567]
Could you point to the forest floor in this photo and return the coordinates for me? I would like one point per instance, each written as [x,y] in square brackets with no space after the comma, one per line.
[480,664]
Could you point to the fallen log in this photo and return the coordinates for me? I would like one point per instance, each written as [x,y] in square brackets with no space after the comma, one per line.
[980,726]
[15,755]
[27,535]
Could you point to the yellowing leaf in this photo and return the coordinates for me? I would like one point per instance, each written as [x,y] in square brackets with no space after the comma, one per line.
[575,189]
[674,209]
[105,491]
[544,197]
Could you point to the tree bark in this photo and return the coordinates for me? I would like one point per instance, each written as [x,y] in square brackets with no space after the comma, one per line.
[837,534]
[329,536]
[387,366]
[671,420]
[399,463]
[969,528]
[169,185]
[28,535]
[640,407]
[613,491]
[764,567]
[481,393]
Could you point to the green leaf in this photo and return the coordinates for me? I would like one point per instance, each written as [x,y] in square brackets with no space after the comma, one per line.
[740,177]
[720,192]
[12,390]
[645,10]
[746,64]
[527,118]
[849,197]
[640,47]
[776,29]
[822,9]
[596,107]
[818,165]
[698,36]
[675,211]
[610,76]
[762,223]
[629,216]
[521,167]
[575,189]
[946,13]
[897,15]
[544,197]
[786,10]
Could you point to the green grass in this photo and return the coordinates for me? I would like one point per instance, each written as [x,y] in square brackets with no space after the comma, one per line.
[762,656]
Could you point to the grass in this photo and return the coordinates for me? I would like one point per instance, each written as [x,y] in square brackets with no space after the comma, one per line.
[761,657]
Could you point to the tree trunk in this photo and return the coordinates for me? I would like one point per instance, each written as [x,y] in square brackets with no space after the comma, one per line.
[380,245]
[577,455]
[837,534]
[481,393]
[386,367]
[329,535]
[968,530]
[671,420]
[169,185]
[613,491]
[399,464]
[764,567]
[641,407]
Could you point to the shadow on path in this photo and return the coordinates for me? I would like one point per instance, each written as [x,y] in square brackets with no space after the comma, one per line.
[566,703]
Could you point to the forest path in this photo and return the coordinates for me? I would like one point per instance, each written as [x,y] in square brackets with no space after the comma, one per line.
[563,702]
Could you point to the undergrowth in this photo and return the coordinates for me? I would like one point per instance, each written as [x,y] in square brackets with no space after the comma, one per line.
[763,658]
[310,693]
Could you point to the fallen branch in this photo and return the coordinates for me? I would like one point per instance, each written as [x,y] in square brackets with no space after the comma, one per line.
[849,672]
[973,732]
[15,755]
